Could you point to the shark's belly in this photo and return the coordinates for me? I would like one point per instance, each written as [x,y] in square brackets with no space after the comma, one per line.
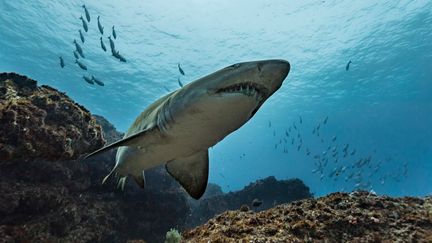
[202,127]
[193,132]
[133,160]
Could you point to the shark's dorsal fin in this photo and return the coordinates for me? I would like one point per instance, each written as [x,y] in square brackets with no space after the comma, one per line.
[191,172]
[128,141]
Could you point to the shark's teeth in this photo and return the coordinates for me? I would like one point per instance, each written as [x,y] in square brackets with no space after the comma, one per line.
[247,88]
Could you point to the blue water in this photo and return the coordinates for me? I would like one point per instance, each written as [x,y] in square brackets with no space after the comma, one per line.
[381,107]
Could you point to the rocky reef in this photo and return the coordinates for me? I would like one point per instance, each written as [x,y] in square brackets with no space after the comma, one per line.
[268,190]
[338,217]
[47,196]
[109,131]
[39,122]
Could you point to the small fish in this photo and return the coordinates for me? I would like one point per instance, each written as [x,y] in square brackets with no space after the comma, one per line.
[348,65]
[300,120]
[102,44]
[346,147]
[181,85]
[256,202]
[180,69]
[325,120]
[269,124]
[114,34]
[98,82]
[86,13]
[121,58]
[100,26]
[62,65]
[353,152]
[81,36]
[112,45]
[84,23]
[118,56]
[81,65]
[87,79]
[334,138]
[78,49]
[294,126]
[313,131]
[75,54]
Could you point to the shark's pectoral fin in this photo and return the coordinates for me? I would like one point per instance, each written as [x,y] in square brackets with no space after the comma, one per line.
[128,141]
[191,172]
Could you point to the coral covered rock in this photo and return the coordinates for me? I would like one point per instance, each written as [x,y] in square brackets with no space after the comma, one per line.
[46,196]
[338,217]
[64,201]
[42,123]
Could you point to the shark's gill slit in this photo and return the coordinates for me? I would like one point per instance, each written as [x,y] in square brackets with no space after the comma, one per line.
[164,116]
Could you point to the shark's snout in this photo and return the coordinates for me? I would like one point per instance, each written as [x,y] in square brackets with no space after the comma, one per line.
[278,69]
[282,67]
[272,73]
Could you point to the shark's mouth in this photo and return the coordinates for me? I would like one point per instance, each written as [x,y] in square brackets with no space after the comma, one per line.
[248,88]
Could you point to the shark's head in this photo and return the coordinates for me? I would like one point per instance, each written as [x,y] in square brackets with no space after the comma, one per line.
[251,82]
[256,80]
[228,98]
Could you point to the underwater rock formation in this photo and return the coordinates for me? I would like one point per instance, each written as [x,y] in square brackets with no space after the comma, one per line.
[212,190]
[110,132]
[64,201]
[48,197]
[338,217]
[39,122]
[269,190]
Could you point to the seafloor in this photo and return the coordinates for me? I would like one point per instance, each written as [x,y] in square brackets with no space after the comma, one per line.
[338,217]
[49,194]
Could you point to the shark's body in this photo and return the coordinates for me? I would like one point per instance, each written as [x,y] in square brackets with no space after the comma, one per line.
[178,129]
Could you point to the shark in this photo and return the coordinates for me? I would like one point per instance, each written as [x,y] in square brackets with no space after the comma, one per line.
[178,129]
